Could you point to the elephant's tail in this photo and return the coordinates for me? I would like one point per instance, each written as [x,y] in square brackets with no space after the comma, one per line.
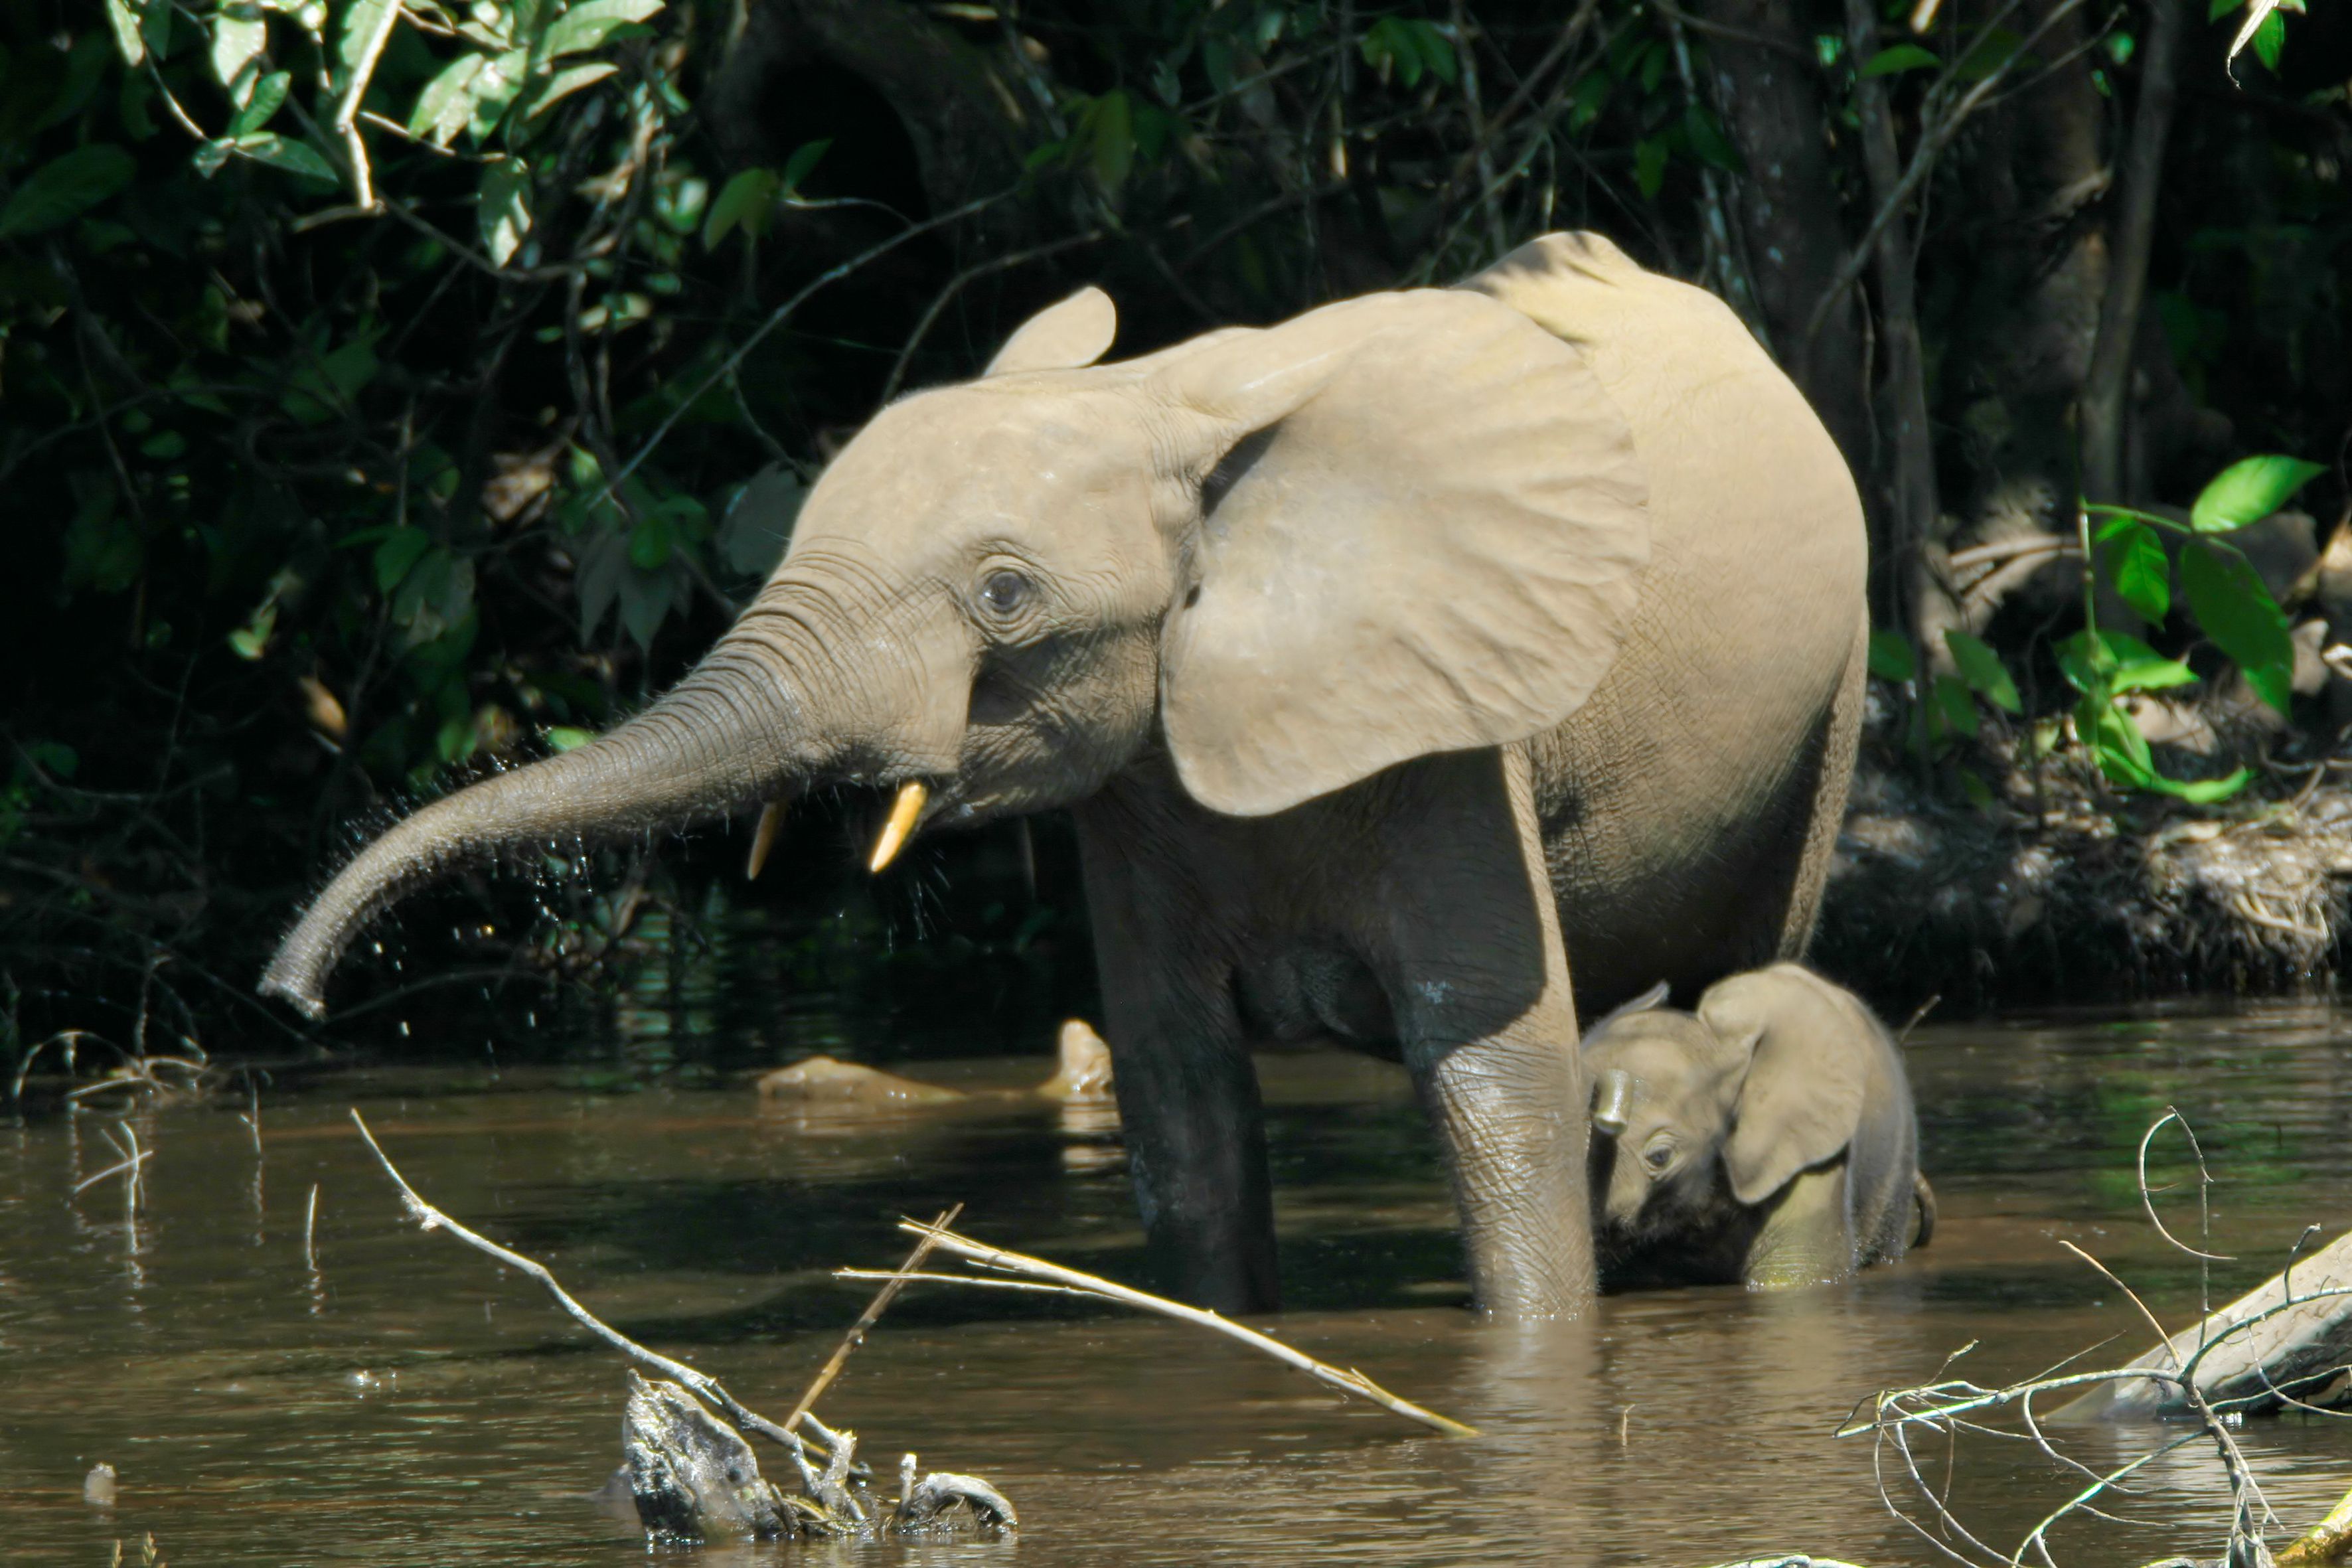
[1924,1197]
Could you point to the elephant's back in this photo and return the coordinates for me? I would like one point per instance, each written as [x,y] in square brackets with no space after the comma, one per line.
[1676,800]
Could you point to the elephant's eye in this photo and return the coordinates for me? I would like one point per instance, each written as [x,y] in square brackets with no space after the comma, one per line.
[1005,592]
[1658,1156]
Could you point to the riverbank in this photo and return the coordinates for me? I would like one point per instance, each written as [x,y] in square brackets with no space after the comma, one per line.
[2047,892]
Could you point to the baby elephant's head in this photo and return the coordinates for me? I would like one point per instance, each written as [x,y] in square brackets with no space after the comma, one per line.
[1664,1090]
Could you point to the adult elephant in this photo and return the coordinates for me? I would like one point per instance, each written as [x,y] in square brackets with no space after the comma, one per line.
[1374,651]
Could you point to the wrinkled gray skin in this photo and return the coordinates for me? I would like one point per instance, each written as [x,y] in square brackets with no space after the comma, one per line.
[1769,1139]
[1391,659]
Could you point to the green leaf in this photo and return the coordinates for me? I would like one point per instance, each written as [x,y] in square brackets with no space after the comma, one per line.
[1994,50]
[587,25]
[1981,668]
[2270,40]
[127,38]
[267,94]
[2200,792]
[2249,490]
[564,737]
[2117,743]
[1955,706]
[1707,139]
[2217,9]
[566,82]
[1111,139]
[2140,570]
[504,209]
[1901,58]
[1649,166]
[650,545]
[1891,658]
[284,152]
[401,550]
[2232,607]
[804,161]
[447,101]
[66,187]
[747,202]
[1389,46]
[760,524]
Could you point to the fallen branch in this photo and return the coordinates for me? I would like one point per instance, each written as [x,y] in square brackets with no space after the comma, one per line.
[702,1385]
[1061,1279]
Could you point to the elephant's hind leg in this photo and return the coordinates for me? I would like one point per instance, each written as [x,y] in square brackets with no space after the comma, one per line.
[1841,739]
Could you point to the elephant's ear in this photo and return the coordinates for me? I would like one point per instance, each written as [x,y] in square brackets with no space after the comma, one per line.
[1421,518]
[1075,332]
[1801,1100]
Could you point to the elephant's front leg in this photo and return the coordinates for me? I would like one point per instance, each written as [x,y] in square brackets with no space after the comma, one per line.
[1188,1092]
[1471,955]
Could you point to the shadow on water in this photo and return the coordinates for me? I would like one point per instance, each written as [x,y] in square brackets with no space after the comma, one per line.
[392,1399]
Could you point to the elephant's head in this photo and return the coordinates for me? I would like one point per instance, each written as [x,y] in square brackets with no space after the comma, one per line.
[1696,1111]
[1394,526]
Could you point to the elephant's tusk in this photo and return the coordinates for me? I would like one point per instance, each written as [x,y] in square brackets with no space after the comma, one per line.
[763,838]
[1612,1102]
[903,813]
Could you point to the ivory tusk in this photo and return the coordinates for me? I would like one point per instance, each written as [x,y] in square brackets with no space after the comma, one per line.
[763,838]
[903,813]
[1612,1102]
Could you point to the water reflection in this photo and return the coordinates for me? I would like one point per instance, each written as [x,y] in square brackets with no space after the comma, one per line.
[319,1382]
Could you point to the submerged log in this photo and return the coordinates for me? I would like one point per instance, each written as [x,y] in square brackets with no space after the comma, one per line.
[2294,1347]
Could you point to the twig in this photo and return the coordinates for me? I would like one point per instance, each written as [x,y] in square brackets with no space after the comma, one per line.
[708,1387]
[865,1320]
[345,123]
[1350,1381]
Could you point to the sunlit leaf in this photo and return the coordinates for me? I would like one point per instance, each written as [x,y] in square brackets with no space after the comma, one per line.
[240,34]
[587,25]
[564,737]
[1981,668]
[566,82]
[66,187]
[2249,490]
[448,103]
[2140,570]
[1891,658]
[124,22]
[2236,611]
[360,24]
[1901,58]
[504,207]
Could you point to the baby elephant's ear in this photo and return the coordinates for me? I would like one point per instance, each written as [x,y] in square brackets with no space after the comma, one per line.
[1075,332]
[1421,518]
[1808,1072]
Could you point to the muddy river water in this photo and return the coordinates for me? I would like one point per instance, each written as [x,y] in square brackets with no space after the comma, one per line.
[388,1398]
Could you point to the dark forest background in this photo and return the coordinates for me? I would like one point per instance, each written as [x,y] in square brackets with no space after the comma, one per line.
[390,392]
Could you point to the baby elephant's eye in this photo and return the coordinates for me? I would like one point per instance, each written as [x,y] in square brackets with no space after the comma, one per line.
[1005,592]
[1658,1156]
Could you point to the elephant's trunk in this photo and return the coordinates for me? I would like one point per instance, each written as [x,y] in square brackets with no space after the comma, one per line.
[730,734]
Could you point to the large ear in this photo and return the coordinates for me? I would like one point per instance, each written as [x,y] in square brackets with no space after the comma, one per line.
[1420,535]
[1075,332]
[1808,1069]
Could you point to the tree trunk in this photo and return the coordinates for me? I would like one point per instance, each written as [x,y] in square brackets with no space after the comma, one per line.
[2107,390]
[1760,73]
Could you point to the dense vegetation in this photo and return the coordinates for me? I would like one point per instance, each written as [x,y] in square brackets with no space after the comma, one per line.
[391,388]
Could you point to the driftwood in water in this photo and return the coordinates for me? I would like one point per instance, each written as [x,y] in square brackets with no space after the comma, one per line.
[693,1477]
[2287,1341]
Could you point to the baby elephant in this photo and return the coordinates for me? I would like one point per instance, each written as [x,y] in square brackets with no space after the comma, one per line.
[1770,1139]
